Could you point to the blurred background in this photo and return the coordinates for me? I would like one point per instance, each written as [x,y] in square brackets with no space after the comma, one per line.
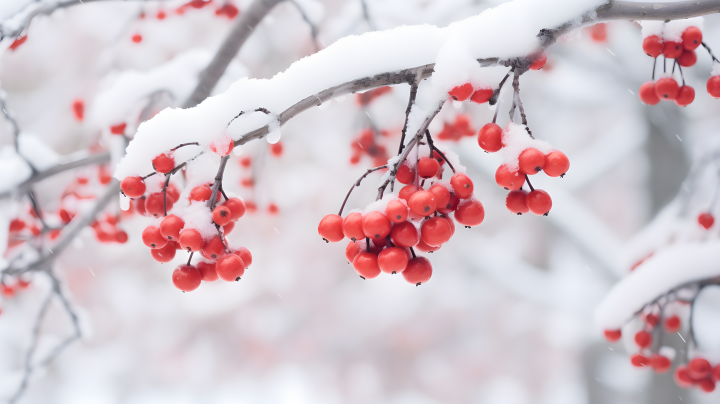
[507,317]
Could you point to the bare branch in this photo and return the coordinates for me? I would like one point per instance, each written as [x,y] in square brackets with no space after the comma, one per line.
[313,28]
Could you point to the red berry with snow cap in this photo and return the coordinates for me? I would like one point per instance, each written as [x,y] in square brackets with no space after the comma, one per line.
[652,46]
[352,226]
[163,163]
[482,95]
[461,93]
[692,38]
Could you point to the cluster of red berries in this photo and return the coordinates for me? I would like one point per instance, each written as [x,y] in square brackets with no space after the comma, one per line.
[172,233]
[667,88]
[706,220]
[228,10]
[417,218]
[366,144]
[457,130]
[530,162]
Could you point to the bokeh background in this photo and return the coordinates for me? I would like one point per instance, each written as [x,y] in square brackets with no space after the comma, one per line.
[507,317]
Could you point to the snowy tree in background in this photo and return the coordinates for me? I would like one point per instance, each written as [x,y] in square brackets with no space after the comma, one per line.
[141,133]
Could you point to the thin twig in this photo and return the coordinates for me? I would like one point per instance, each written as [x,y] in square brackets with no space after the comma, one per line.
[313,28]
[411,101]
[432,147]
[366,15]
[357,184]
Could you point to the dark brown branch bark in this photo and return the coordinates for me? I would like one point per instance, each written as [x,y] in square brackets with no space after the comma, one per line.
[239,33]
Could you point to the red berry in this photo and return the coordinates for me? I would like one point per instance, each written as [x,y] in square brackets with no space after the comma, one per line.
[706,220]
[462,185]
[156,204]
[121,237]
[713,86]
[539,63]
[422,246]
[470,213]
[172,193]
[482,95]
[461,93]
[418,271]
[236,206]
[427,167]
[65,216]
[699,368]
[191,240]
[161,15]
[706,385]
[221,215]
[200,193]
[648,94]
[652,46]
[490,137]
[352,226]
[330,228]
[652,320]
[643,339]
[404,234]
[452,225]
[672,324]
[441,194]
[118,129]
[353,248]
[376,225]
[230,268]
[531,161]
[229,10]
[163,163]
[539,202]
[666,88]
[78,107]
[152,238]
[392,260]
[613,335]
[207,271]
[672,50]
[687,58]
[682,378]
[164,254]
[213,249]
[450,206]
[276,149]
[407,191]
[422,203]
[366,265]
[556,164]
[659,363]
[692,38]
[686,95]
[18,41]
[245,161]
[137,38]
[17,225]
[133,187]
[508,179]
[638,360]
[516,202]
[140,206]
[405,175]
[186,278]
[436,231]
[170,227]
[244,255]
[716,373]
[598,32]
[228,228]
[396,211]
[222,146]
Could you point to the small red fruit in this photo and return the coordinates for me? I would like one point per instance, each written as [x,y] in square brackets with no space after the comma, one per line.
[396,211]
[648,94]
[470,213]
[157,204]
[436,231]
[427,167]
[482,95]
[392,260]
[276,149]
[539,63]
[462,185]
[461,93]
[692,38]
[418,271]
[441,194]
[516,202]
[137,38]
[164,254]
[686,95]
[404,234]
[556,164]
[638,360]
[229,10]
[713,86]
[17,225]
[191,240]
[407,191]
[236,206]
[706,220]
[422,203]
[163,163]
[531,161]
[672,50]
[659,363]
[353,248]
[366,265]
[667,88]
[699,368]
[376,225]
[643,339]
[450,206]
[172,193]
[207,271]
[221,215]
[133,187]
[330,227]
[672,324]
[652,320]
[118,129]
[652,46]
[213,249]
[186,278]
[613,335]
[490,137]
[352,226]
[200,193]
[539,202]
[405,175]
[170,227]
[706,385]
[152,238]
[78,108]
[230,268]
[509,179]
[687,59]
[244,255]
[682,378]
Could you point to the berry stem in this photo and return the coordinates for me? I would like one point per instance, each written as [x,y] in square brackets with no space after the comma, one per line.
[190,257]
[149,175]
[218,182]
[707,48]
[664,64]
[263,110]
[367,244]
[165,186]
[411,101]
[432,147]
[357,184]
[653,71]
[412,252]
[527,179]
[518,102]
[682,76]
[185,144]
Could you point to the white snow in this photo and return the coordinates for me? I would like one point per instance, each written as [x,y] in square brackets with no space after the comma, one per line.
[512,26]
[670,31]
[517,140]
[13,168]
[650,28]
[665,270]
